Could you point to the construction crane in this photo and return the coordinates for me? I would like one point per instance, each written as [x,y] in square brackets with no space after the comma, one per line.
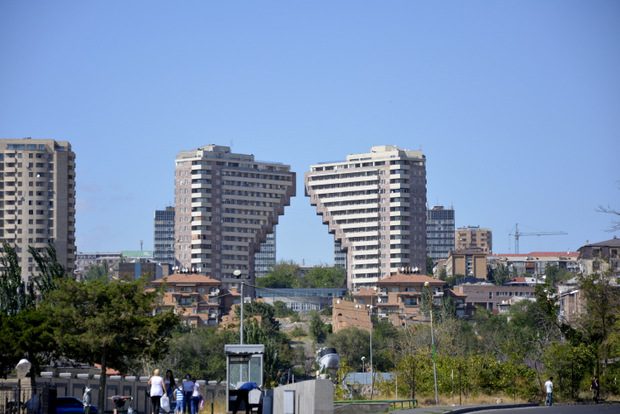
[518,234]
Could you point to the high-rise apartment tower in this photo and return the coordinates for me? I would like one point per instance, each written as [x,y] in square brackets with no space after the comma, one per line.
[474,238]
[37,199]
[225,205]
[163,237]
[375,205]
[265,258]
[439,233]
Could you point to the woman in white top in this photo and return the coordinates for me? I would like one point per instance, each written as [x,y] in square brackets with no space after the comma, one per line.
[196,396]
[158,388]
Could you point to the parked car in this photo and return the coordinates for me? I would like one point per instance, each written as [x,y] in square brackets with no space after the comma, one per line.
[72,405]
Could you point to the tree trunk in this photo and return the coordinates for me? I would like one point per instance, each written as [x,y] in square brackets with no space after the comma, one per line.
[102,381]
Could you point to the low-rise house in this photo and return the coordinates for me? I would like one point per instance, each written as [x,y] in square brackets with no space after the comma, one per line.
[197,298]
[490,296]
[396,298]
[600,257]
[535,264]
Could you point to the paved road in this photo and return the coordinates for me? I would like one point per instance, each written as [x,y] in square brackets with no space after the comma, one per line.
[522,409]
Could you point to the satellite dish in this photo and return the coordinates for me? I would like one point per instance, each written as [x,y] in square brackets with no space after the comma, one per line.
[237,273]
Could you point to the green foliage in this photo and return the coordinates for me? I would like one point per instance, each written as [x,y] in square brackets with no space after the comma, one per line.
[108,324]
[97,272]
[321,277]
[281,311]
[352,344]
[555,274]
[298,332]
[499,275]
[15,294]
[199,352]
[318,329]
[281,276]
[429,266]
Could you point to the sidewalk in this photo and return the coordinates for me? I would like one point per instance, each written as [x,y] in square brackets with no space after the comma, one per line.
[457,409]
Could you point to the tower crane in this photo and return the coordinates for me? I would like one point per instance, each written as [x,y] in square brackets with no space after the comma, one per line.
[518,234]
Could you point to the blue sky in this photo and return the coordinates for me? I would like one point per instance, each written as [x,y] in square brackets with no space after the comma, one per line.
[516,104]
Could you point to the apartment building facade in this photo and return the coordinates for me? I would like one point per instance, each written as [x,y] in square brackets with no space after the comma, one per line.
[225,205]
[472,238]
[196,298]
[163,236]
[535,263]
[265,258]
[440,233]
[375,206]
[37,199]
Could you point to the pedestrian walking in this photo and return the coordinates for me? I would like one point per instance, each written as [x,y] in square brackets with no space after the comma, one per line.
[549,390]
[158,389]
[594,387]
[179,397]
[188,389]
[196,396]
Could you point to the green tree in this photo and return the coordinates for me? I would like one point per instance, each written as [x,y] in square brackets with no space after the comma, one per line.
[318,330]
[555,274]
[352,344]
[109,324]
[499,275]
[96,272]
[320,277]
[50,271]
[15,294]
[281,276]
[429,266]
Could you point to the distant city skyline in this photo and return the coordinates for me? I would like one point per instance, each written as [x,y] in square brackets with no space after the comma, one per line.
[514,104]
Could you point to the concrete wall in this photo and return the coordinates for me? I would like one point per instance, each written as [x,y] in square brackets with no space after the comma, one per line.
[311,397]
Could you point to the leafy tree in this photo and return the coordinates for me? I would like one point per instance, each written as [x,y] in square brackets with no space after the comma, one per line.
[24,329]
[429,266]
[281,276]
[352,344]
[50,271]
[199,351]
[555,274]
[110,324]
[96,272]
[499,275]
[15,294]
[281,311]
[320,277]
[318,330]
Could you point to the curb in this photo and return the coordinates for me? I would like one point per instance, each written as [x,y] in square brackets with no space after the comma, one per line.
[491,407]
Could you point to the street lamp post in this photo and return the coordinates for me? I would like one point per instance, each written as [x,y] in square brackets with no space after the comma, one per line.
[237,273]
[428,286]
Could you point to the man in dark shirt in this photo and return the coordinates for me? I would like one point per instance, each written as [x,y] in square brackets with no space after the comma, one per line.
[594,387]
[242,395]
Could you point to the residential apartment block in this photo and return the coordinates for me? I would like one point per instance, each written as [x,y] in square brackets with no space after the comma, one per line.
[396,298]
[265,258]
[197,298]
[37,199]
[439,233]
[225,205]
[535,263]
[375,205]
[600,257]
[473,237]
[466,262]
[490,296]
[163,236]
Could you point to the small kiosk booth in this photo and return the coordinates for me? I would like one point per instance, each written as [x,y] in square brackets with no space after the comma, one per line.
[244,363]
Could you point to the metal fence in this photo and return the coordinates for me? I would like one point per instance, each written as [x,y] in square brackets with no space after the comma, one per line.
[16,398]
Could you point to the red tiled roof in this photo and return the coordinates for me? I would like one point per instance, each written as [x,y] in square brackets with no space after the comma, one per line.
[538,254]
[410,278]
[187,278]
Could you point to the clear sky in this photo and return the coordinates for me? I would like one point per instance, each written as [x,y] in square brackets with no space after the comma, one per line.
[516,104]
